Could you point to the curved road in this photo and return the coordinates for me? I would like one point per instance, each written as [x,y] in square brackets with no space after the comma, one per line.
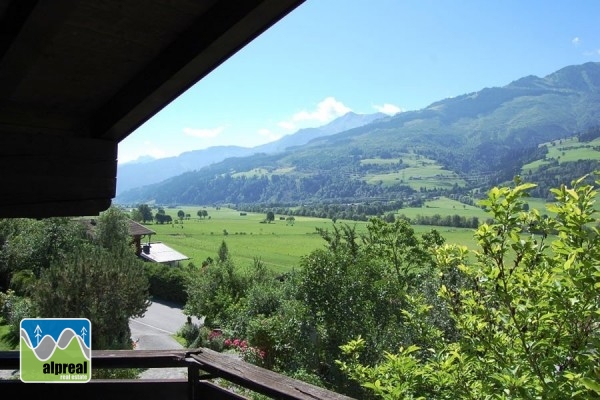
[154,331]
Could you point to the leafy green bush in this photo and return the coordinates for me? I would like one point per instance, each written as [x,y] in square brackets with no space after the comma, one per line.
[527,316]
[201,339]
[166,282]
[189,331]
[13,309]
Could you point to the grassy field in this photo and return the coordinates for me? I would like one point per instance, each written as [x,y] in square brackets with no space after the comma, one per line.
[420,173]
[278,244]
[567,150]
[281,245]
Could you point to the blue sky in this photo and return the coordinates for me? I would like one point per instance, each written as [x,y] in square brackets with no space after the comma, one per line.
[329,57]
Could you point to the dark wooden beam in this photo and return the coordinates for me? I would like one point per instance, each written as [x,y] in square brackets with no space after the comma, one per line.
[30,26]
[53,175]
[15,15]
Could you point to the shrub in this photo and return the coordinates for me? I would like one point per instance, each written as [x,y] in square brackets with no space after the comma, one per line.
[166,282]
[13,309]
[189,331]
[527,316]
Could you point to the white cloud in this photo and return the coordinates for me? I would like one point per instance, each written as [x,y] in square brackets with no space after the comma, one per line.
[387,108]
[204,133]
[576,41]
[326,111]
[286,125]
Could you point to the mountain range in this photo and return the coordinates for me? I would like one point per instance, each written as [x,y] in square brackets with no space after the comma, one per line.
[148,170]
[488,135]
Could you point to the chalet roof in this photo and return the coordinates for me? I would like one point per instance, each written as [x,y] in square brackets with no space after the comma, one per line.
[137,229]
[161,253]
[78,76]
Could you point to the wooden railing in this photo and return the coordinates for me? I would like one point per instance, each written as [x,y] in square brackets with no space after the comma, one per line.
[205,369]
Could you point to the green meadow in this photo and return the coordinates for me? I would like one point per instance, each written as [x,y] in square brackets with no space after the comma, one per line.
[279,244]
[566,150]
[419,173]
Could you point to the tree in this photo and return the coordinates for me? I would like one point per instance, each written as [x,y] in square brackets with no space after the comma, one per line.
[112,232]
[136,215]
[145,212]
[361,285]
[216,293]
[102,280]
[202,213]
[180,215]
[159,218]
[92,283]
[32,245]
[527,312]
[223,252]
[270,217]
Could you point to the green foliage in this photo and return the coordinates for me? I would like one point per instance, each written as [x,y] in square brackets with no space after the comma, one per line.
[94,284]
[215,292]
[360,286]
[223,252]
[270,216]
[526,310]
[32,245]
[145,212]
[13,308]
[166,282]
[189,332]
[22,282]
[112,232]
[116,373]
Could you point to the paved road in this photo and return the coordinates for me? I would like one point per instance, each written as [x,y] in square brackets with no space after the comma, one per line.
[154,331]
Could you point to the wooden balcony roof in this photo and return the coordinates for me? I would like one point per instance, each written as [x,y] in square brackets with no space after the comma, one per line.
[78,76]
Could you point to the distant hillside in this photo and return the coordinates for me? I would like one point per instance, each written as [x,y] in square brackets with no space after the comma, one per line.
[454,146]
[148,171]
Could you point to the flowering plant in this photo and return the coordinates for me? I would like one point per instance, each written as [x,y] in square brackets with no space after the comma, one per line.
[250,354]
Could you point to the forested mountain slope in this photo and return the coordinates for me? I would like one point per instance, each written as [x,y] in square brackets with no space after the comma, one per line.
[467,142]
[136,174]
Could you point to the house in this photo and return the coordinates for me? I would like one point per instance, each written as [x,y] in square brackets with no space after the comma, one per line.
[139,231]
[154,252]
[159,252]
[149,251]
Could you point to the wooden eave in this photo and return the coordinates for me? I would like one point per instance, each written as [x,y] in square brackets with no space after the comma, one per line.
[78,76]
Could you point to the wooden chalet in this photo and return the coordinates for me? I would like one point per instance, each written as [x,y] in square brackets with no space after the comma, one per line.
[138,232]
[77,77]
